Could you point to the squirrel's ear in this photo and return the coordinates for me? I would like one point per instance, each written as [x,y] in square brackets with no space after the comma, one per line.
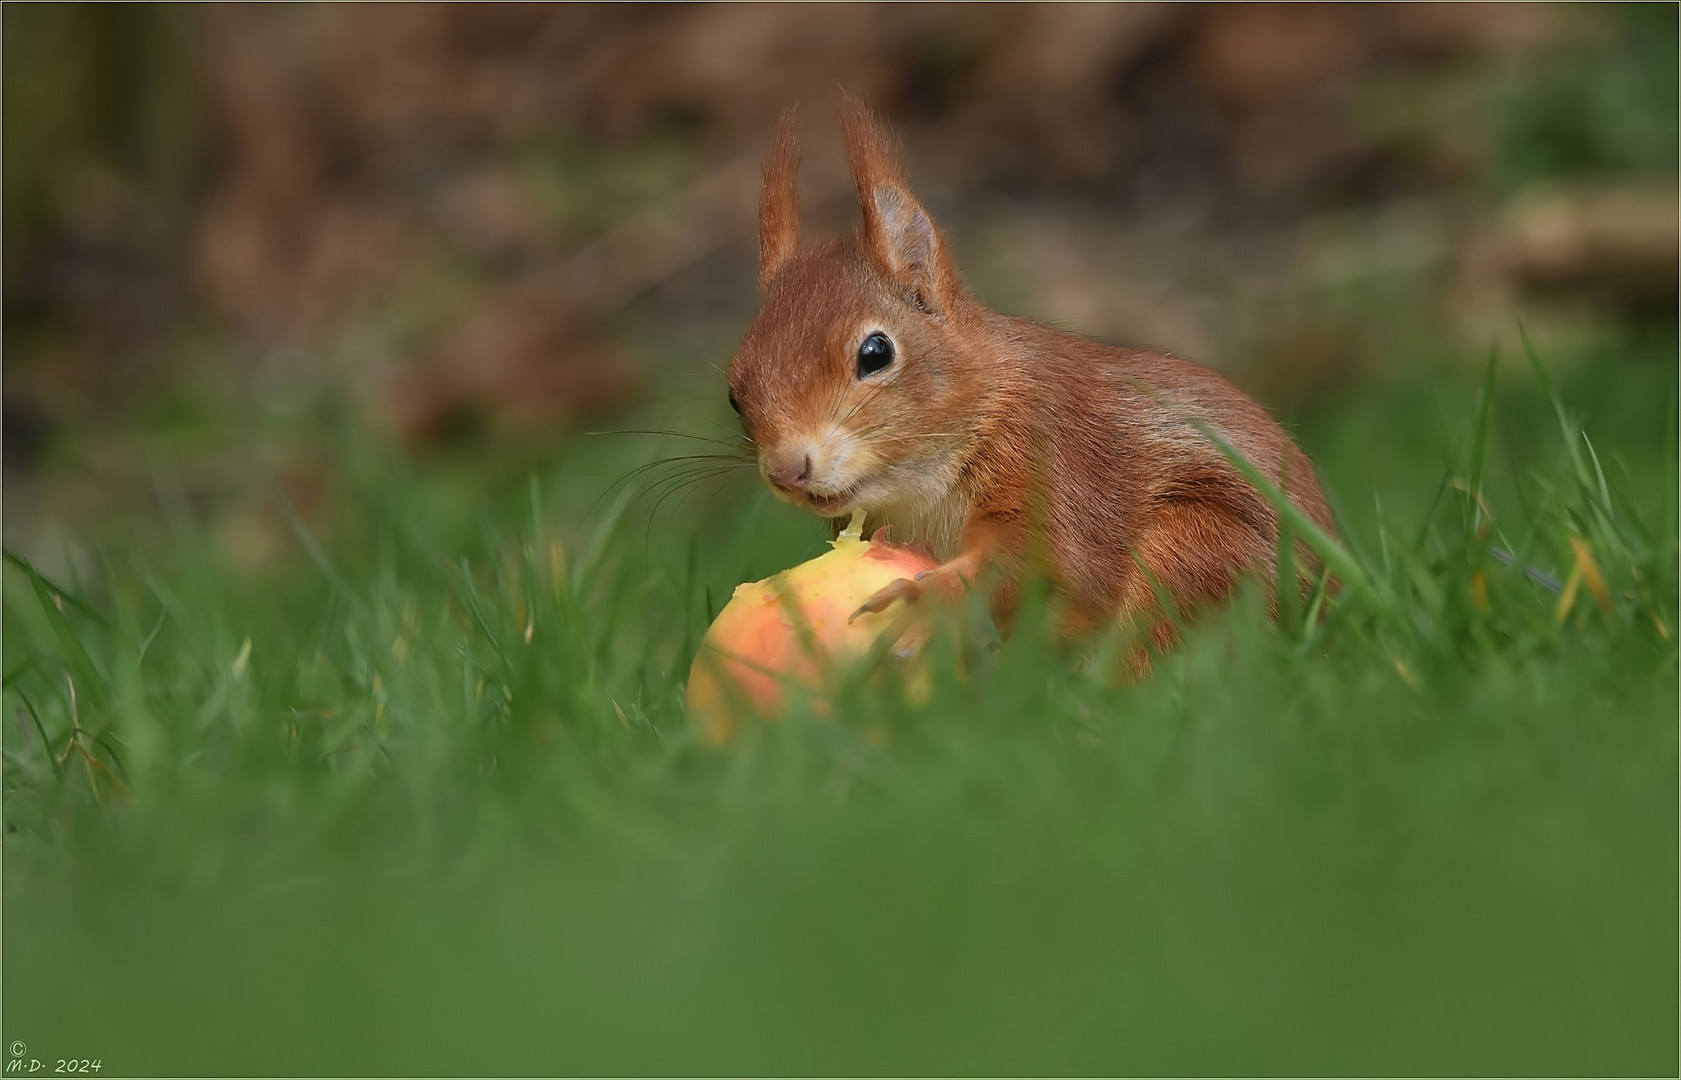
[898,231]
[779,201]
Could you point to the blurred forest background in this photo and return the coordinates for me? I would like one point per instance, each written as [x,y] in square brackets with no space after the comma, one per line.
[475,229]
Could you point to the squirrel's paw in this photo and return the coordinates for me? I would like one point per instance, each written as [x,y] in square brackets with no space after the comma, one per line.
[946,581]
[899,589]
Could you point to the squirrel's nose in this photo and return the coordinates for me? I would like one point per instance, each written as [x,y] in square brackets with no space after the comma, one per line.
[790,472]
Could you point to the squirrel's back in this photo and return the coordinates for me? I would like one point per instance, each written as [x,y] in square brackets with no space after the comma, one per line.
[1094,445]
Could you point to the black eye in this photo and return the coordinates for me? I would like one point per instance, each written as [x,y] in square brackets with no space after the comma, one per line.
[734,404]
[875,354]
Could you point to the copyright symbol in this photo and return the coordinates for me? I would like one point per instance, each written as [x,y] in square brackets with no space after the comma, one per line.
[17,1048]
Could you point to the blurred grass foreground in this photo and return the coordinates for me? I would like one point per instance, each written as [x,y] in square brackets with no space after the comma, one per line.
[343,658]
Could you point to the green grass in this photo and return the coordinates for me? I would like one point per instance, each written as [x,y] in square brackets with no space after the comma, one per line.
[423,799]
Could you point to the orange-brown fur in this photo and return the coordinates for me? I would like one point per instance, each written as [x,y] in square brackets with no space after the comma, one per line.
[993,438]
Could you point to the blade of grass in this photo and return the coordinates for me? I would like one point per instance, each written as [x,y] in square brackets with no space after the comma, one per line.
[1599,475]
[74,652]
[334,576]
[40,728]
[475,607]
[585,568]
[69,597]
[1479,444]
[1354,576]
[1565,426]
[1286,588]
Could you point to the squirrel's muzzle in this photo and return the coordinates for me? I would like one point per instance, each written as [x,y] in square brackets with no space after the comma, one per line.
[789,470]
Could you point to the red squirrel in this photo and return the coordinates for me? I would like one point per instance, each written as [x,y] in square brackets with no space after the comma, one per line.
[872,380]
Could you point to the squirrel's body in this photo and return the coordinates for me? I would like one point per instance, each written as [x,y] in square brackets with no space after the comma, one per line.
[871,379]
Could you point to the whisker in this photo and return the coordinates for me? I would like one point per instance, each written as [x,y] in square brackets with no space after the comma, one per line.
[877,436]
[716,491]
[733,433]
[841,423]
[660,489]
[727,461]
[662,431]
[875,392]
[686,485]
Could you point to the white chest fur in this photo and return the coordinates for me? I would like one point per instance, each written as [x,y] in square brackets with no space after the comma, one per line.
[940,524]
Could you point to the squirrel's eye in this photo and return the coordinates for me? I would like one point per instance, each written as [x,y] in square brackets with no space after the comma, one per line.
[875,354]
[734,404]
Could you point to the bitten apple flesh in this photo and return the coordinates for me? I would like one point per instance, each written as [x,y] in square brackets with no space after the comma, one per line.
[792,632]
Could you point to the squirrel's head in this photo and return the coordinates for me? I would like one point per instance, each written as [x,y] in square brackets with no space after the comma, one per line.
[853,381]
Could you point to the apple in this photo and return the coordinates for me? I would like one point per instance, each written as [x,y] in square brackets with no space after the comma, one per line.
[793,634]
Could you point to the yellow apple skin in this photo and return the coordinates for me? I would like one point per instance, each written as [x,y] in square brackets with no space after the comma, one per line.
[790,633]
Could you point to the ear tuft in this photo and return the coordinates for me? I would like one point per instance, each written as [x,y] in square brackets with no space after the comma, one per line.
[779,200]
[897,230]
[871,151]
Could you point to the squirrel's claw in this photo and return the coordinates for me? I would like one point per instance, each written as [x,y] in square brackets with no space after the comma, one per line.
[899,589]
[946,580]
